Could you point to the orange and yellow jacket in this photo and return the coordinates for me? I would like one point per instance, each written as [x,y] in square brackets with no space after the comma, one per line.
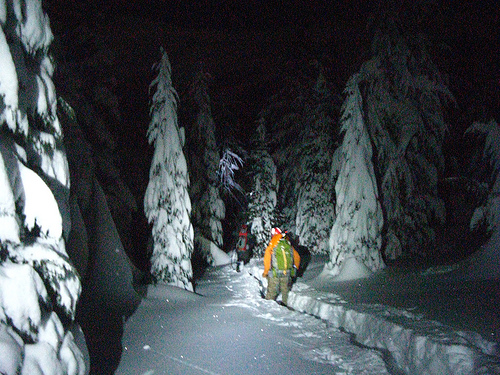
[269,251]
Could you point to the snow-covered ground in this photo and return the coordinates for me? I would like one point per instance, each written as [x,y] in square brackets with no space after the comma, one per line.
[227,328]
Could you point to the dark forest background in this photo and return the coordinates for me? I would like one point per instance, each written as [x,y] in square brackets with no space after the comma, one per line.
[105,50]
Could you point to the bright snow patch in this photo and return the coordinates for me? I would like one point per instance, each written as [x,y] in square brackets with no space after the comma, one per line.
[350,269]
[228,328]
[40,206]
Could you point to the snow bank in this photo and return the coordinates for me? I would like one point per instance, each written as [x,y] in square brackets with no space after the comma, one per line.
[415,345]
[350,269]
[483,264]
[216,256]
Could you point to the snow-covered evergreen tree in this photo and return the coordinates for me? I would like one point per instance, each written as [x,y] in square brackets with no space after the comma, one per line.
[203,158]
[356,235]
[490,211]
[167,204]
[315,199]
[315,208]
[286,122]
[484,263]
[39,287]
[102,236]
[262,197]
[95,248]
[301,119]
[88,82]
[404,96]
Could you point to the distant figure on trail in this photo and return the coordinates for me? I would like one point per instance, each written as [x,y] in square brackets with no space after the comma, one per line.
[304,253]
[243,247]
[281,262]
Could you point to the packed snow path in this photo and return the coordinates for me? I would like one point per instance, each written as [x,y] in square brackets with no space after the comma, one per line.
[227,328]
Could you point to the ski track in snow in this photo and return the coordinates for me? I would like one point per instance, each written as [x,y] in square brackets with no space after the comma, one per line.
[312,336]
[229,329]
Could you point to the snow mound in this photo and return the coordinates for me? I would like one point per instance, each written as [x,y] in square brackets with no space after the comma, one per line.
[351,269]
[415,345]
[219,256]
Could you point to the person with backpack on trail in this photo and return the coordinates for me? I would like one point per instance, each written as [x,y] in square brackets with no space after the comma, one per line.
[281,261]
[304,253]
[243,247]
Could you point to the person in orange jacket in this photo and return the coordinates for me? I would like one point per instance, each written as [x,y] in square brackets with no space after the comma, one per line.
[279,280]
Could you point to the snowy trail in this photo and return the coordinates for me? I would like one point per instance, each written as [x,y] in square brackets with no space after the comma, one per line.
[229,329]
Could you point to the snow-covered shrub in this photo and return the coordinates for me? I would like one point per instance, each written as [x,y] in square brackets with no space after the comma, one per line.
[166,204]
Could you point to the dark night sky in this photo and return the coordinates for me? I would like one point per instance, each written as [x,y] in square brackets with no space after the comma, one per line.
[243,44]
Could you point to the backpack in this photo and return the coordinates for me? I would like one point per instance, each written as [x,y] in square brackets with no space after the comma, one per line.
[241,245]
[282,258]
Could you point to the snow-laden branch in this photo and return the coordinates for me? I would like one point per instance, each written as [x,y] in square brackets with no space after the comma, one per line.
[228,164]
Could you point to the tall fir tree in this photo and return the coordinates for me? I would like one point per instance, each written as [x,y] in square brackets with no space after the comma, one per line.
[262,197]
[484,263]
[404,96]
[357,231]
[39,287]
[167,204]
[301,122]
[313,190]
[88,84]
[489,212]
[203,158]
[284,118]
